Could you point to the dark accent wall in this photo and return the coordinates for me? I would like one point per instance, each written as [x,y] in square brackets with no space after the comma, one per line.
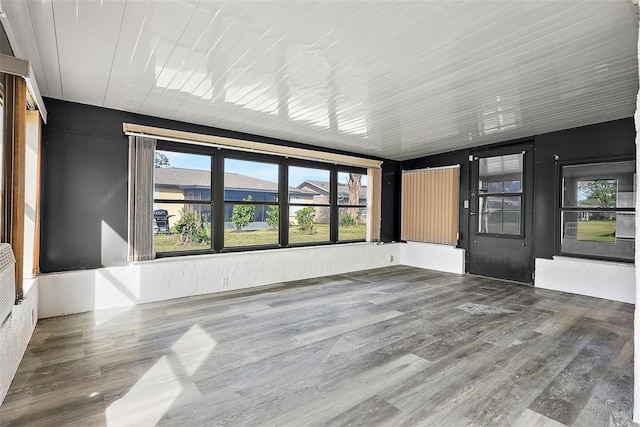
[604,141]
[84,184]
[390,210]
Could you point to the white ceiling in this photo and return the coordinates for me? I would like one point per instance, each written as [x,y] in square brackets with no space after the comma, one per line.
[394,79]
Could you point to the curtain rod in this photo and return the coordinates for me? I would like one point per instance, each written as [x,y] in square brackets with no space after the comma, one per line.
[431,169]
[21,68]
[250,146]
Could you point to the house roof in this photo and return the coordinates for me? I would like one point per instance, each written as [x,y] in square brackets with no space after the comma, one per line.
[181,178]
[322,187]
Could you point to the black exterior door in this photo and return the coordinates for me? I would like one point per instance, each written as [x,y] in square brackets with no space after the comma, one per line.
[501,210]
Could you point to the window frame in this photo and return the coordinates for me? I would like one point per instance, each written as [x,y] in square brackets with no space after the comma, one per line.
[346,169]
[218,201]
[521,194]
[331,203]
[197,150]
[560,208]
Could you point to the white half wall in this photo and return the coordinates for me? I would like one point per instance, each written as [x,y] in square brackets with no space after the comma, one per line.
[15,334]
[602,279]
[433,256]
[167,278]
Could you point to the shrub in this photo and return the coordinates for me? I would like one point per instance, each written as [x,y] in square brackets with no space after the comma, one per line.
[305,217]
[273,217]
[347,220]
[191,229]
[243,214]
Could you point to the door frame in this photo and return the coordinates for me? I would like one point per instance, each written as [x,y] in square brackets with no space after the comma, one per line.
[527,147]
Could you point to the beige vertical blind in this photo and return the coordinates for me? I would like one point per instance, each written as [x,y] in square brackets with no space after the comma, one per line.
[13,176]
[141,161]
[430,205]
[374,193]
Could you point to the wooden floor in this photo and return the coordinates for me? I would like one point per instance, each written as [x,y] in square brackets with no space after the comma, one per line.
[394,346]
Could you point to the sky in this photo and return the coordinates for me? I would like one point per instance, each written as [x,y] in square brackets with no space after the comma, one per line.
[265,171]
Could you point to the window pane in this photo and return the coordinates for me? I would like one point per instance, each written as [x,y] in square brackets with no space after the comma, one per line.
[353,224]
[181,227]
[599,185]
[490,215]
[308,224]
[597,233]
[494,187]
[500,215]
[182,176]
[494,171]
[245,180]
[511,215]
[308,186]
[512,186]
[352,188]
[249,225]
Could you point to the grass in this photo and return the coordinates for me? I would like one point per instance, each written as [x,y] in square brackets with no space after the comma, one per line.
[597,230]
[169,242]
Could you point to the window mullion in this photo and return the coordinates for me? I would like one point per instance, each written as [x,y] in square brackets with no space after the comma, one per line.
[217,185]
[283,199]
[334,217]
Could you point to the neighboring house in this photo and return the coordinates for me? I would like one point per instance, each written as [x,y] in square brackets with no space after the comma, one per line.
[321,189]
[193,184]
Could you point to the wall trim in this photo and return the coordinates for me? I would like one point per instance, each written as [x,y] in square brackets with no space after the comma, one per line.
[176,277]
[433,256]
[602,279]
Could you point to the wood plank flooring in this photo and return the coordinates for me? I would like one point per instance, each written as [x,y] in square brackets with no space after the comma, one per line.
[397,346]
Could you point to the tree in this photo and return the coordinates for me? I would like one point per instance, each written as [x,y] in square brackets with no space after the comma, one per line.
[243,213]
[354,186]
[305,218]
[162,161]
[273,217]
[191,229]
[598,192]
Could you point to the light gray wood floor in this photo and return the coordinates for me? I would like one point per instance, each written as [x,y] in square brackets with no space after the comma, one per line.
[393,346]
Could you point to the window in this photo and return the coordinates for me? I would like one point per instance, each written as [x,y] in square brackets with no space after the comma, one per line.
[182,202]
[352,205]
[500,195]
[310,198]
[207,199]
[597,214]
[251,210]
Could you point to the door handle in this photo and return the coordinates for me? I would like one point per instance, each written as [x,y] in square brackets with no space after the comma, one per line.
[472,213]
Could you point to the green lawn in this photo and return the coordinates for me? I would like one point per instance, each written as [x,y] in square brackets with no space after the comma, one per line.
[169,242]
[597,230]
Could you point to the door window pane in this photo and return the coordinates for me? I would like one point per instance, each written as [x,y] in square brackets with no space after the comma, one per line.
[511,215]
[499,215]
[500,174]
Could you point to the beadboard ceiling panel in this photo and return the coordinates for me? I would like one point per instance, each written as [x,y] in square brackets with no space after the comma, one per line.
[395,79]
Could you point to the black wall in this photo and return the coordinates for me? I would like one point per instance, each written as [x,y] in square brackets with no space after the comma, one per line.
[84,184]
[604,141]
